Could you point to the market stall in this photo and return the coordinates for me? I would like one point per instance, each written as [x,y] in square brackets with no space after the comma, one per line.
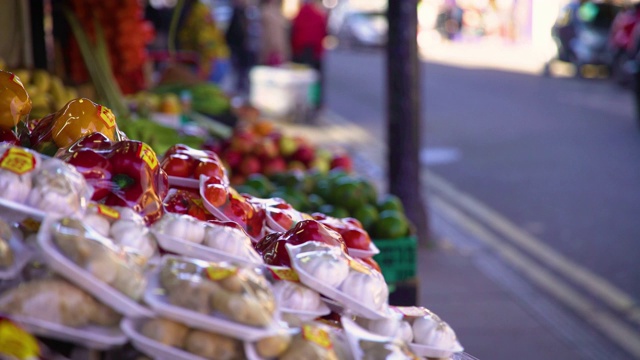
[173,224]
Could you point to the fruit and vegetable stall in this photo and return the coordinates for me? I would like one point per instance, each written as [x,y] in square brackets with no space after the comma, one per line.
[256,245]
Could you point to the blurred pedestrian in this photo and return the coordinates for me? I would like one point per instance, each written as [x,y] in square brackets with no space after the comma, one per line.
[239,42]
[308,30]
[274,40]
[200,34]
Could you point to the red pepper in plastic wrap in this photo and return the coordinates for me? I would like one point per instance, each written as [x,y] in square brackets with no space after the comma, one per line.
[124,173]
[272,247]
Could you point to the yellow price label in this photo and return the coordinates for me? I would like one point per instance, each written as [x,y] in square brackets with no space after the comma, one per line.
[18,160]
[221,273]
[147,154]
[107,116]
[108,211]
[317,335]
[17,343]
[284,273]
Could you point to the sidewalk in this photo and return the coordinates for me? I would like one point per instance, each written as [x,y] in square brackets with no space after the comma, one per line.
[457,279]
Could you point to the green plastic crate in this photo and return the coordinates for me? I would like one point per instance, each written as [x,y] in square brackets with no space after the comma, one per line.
[397,258]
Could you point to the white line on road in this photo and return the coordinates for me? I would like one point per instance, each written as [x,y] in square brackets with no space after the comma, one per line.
[599,287]
[619,332]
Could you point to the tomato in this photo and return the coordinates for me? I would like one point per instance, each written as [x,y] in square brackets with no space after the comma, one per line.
[216,194]
[209,168]
[179,165]
[197,212]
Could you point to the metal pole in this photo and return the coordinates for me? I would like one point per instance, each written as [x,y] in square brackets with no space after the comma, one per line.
[403,112]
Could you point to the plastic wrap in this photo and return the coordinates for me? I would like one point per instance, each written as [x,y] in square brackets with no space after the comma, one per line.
[359,288]
[187,202]
[368,346]
[94,263]
[226,204]
[210,241]
[355,237]
[298,303]
[17,168]
[184,165]
[273,250]
[311,341]
[432,337]
[14,254]
[164,339]
[54,308]
[125,228]
[217,297]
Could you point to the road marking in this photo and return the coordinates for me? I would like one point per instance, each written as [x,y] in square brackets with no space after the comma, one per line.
[594,284]
[616,330]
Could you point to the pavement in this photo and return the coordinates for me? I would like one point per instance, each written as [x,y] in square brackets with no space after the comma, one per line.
[496,312]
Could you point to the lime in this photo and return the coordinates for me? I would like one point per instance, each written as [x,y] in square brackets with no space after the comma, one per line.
[339,212]
[298,199]
[369,190]
[391,224]
[261,184]
[348,193]
[390,202]
[367,215]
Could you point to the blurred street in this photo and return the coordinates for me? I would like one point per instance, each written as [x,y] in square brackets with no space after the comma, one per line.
[527,173]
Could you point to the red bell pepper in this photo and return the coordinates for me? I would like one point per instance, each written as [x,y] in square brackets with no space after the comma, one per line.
[124,173]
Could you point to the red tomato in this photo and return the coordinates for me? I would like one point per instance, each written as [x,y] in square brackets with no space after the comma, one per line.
[179,165]
[216,194]
[209,168]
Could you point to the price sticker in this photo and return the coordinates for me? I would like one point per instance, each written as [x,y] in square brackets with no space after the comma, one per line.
[18,160]
[284,273]
[317,335]
[221,273]
[108,211]
[17,343]
[147,154]
[107,116]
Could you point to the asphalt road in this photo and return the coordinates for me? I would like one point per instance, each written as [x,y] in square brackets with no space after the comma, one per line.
[556,156]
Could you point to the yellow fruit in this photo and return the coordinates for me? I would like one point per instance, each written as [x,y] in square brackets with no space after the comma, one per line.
[24,75]
[15,103]
[42,80]
[57,90]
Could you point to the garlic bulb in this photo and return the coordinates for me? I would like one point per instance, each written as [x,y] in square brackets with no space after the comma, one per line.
[182,227]
[295,296]
[227,239]
[327,267]
[14,187]
[133,235]
[431,331]
[98,223]
[386,327]
[406,332]
[366,289]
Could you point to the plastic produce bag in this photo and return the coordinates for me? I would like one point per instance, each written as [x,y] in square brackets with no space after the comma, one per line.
[358,287]
[368,346]
[17,167]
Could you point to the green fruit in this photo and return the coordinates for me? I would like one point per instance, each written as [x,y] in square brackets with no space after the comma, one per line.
[390,202]
[370,192]
[367,215]
[261,184]
[335,175]
[323,188]
[315,202]
[292,200]
[248,190]
[339,212]
[391,224]
[348,193]
[290,179]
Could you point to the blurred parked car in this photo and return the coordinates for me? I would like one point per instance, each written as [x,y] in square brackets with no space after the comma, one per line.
[362,29]
[582,32]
